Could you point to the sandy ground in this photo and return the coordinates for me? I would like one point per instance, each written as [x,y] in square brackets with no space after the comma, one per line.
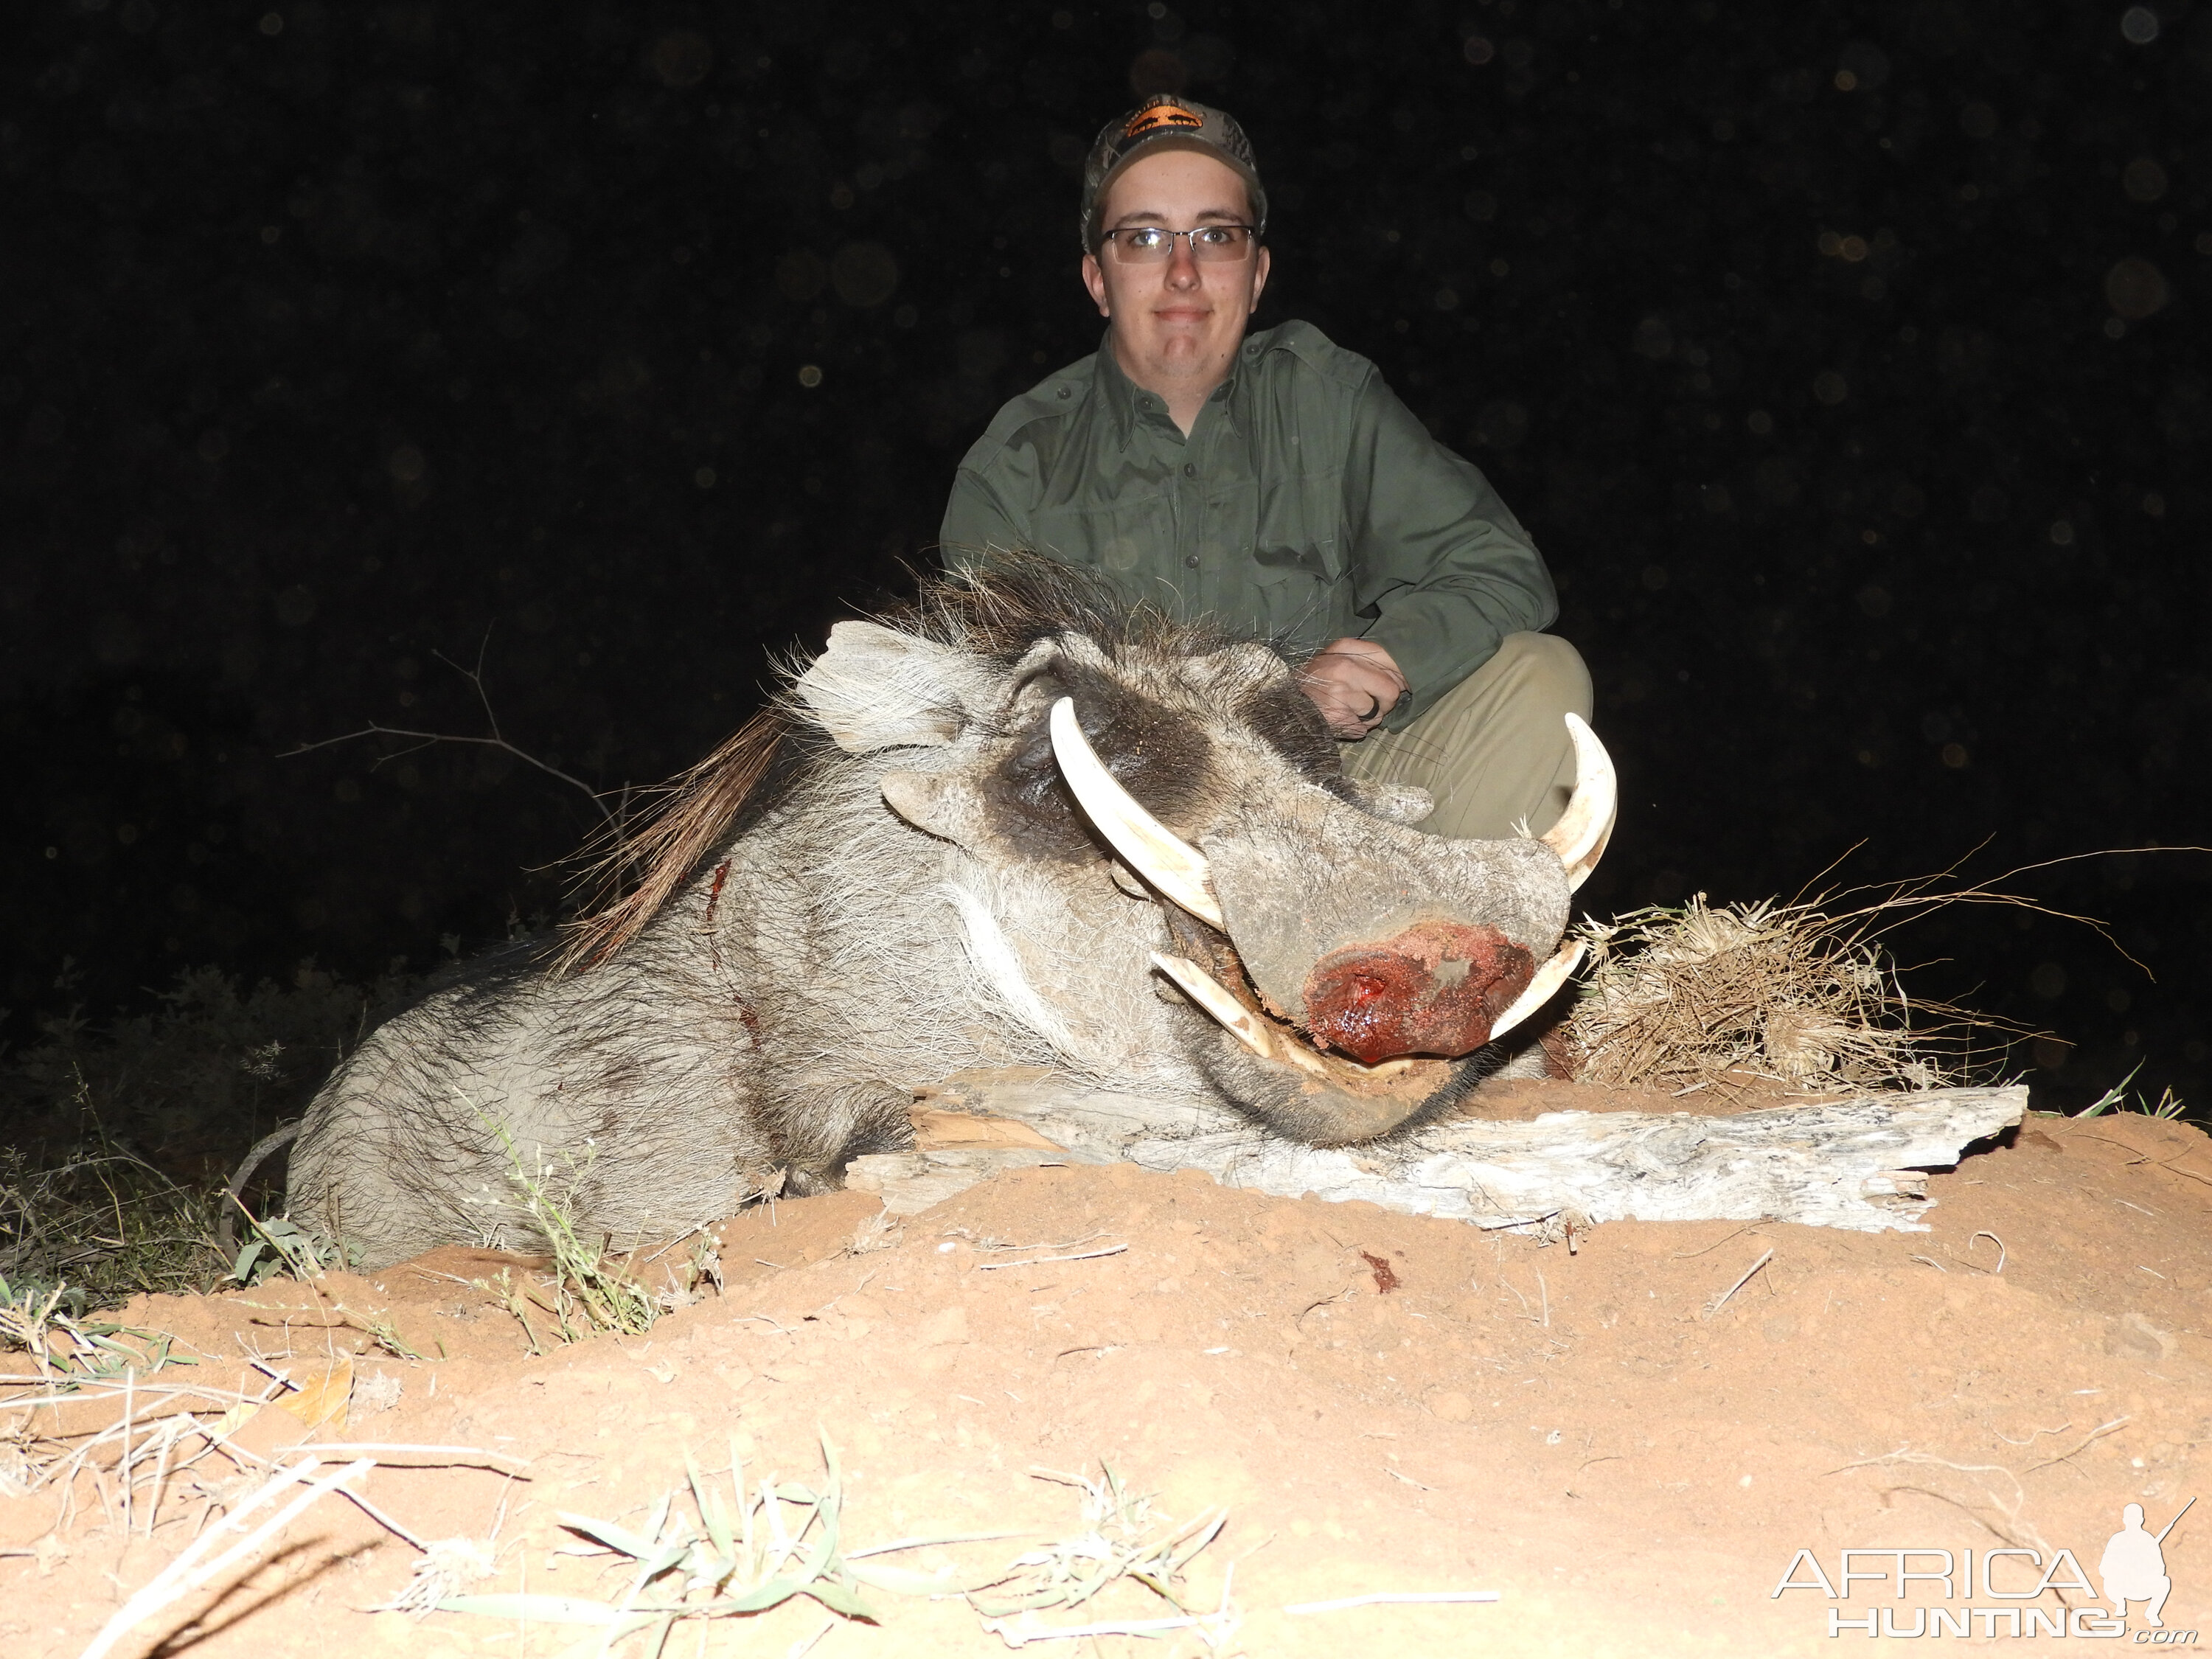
[1597,1430]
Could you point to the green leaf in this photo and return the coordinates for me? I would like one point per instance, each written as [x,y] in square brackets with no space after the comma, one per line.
[668,1555]
[759,1599]
[836,1597]
[911,1580]
[614,1537]
[711,1512]
[932,1542]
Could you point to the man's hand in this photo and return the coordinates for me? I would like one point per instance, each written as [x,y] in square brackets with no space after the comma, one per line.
[1354,683]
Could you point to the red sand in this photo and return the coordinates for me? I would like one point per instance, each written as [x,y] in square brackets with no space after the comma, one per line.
[1631,1463]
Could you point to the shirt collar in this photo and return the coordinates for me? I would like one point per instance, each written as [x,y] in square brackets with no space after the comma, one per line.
[1121,392]
[1127,402]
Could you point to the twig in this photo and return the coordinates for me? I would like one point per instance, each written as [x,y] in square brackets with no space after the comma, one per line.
[1041,1260]
[1740,1283]
[1995,1240]
[2032,1437]
[123,1463]
[188,1572]
[992,1244]
[496,740]
[386,1521]
[1014,1639]
[1690,1256]
[2094,1434]
[1392,1598]
[451,1454]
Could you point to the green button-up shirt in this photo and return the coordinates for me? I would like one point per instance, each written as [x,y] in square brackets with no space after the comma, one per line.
[1307,503]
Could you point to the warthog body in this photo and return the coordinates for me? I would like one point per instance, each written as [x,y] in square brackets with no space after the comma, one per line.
[905,875]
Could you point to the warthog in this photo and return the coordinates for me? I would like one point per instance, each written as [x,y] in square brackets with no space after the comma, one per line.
[1016,825]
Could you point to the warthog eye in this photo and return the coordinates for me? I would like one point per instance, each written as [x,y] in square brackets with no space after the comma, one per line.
[1157,755]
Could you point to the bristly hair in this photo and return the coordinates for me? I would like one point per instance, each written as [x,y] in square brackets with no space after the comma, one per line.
[998,608]
[1004,602]
[695,808]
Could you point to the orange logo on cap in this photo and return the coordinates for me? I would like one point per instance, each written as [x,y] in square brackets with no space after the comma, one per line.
[1161,116]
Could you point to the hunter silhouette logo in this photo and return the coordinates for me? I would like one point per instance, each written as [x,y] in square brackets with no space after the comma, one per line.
[1166,116]
[2131,1570]
[2133,1566]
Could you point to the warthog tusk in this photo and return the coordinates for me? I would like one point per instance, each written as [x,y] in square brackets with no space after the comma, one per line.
[1147,846]
[1209,994]
[1541,989]
[1580,836]
[1247,1027]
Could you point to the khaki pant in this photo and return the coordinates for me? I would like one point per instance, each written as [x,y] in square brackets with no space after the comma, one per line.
[1494,749]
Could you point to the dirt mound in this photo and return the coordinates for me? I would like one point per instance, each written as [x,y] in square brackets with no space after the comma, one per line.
[1629,1436]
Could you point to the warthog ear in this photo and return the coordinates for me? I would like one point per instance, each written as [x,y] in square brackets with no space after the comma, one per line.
[876,687]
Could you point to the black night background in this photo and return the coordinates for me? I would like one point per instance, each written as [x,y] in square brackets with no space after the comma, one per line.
[1845,359]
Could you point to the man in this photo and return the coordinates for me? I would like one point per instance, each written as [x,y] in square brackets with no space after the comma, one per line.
[1276,483]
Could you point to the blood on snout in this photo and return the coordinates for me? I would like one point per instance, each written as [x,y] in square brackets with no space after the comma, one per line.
[1432,989]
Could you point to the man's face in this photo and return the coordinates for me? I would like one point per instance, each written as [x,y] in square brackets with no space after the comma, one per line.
[1180,317]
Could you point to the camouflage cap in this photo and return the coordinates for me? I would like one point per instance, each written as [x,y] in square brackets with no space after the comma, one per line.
[1166,121]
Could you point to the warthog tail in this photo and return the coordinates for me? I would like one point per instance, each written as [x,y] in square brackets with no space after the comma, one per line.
[697,810]
[226,1234]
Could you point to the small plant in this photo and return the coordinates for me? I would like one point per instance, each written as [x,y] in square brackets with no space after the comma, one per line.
[517,1301]
[281,1245]
[874,1232]
[2117,1098]
[112,1123]
[730,1557]
[49,1322]
[701,1267]
[588,1293]
[99,1218]
[1121,1539]
[379,1328]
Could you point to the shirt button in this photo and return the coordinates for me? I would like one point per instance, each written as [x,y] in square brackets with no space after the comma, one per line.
[1063,391]
[1191,559]
[1190,468]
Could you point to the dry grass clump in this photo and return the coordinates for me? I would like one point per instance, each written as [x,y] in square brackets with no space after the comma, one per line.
[588,1291]
[772,1541]
[1724,996]
[93,1224]
[110,1183]
[764,1544]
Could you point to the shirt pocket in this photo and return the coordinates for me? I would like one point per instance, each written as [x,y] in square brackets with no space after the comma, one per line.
[1127,542]
[1300,522]
[1292,603]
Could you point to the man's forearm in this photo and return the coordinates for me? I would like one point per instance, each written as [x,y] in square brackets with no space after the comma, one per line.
[1440,635]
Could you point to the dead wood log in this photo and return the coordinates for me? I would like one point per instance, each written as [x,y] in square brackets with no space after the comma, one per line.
[1857,1164]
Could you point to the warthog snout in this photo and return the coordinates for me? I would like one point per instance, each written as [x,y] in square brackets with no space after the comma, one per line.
[1433,989]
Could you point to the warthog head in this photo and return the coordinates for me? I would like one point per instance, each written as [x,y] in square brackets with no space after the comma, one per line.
[1345,960]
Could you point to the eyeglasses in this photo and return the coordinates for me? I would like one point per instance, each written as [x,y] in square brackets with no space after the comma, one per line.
[1144,245]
